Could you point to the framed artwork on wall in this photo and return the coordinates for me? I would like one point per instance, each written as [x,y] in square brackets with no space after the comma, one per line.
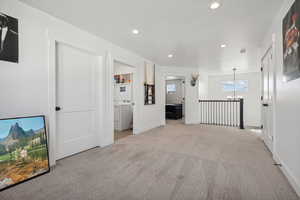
[9,39]
[291,43]
[149,84]
[23,150]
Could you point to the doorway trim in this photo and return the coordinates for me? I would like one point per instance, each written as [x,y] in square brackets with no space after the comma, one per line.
[181,77]
[52,41]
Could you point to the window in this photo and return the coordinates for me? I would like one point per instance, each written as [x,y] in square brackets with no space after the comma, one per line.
[239,86]
[171,88]
[231,97]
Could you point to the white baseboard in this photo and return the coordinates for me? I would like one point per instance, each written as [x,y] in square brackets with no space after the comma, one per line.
[147,127]
[107,143]
[289,175]
[192,122]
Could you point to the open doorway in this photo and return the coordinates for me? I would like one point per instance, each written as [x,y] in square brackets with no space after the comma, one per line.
[175,99]
[123,100]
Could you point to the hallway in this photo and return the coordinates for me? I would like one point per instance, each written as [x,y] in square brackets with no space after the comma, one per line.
[172,162]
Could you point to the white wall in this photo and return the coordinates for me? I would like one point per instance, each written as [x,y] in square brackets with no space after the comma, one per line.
[203,85]
[177,96]
[120,68]
[25,87]
[191,93]
[252,105]
[287,107]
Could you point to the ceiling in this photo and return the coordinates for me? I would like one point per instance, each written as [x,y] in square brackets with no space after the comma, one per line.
[188,29]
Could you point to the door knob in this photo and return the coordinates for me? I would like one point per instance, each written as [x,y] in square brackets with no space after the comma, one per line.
[57,108]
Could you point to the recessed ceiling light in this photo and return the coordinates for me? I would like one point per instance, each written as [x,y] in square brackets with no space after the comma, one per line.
[214,5]
[170,56]
[223,45]
[135,31]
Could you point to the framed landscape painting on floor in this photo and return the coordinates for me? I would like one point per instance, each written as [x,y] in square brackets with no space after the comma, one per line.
[23,150]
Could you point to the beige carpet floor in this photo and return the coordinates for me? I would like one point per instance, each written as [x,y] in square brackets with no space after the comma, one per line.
[174,162]
[121,134]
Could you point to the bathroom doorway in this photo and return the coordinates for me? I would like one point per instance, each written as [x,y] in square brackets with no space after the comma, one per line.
[124,103]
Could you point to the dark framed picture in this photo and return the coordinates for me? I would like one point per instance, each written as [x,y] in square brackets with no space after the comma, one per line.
[291,45]
[9,38]
[123,89]
[23,150]
[149,84]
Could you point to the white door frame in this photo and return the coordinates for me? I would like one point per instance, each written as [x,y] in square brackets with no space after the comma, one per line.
[182,77]
[274,92]
[134,90]
[52,91]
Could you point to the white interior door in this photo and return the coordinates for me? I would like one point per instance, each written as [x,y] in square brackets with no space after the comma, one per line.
[267,98]
[75,100]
